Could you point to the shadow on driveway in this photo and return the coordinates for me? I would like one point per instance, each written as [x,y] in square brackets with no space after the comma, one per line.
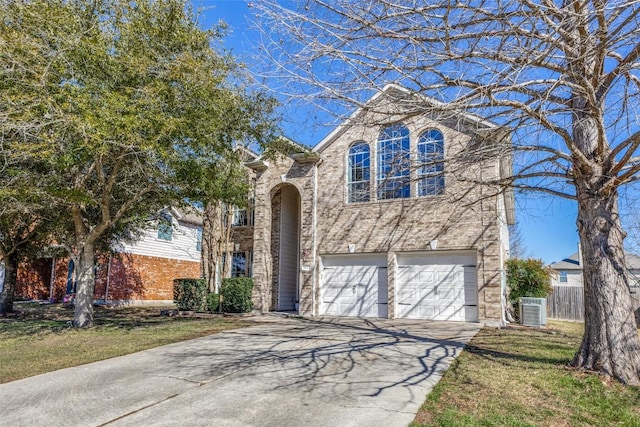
[313,372]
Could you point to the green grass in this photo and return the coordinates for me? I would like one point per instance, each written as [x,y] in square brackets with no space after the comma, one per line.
[520,377]
[38,339]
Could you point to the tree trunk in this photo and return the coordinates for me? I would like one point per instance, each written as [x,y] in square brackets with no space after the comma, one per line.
[211,232]
[610,343]
[8,289]
[83,315]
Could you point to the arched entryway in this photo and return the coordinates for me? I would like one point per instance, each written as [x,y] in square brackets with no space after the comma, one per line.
[285,247]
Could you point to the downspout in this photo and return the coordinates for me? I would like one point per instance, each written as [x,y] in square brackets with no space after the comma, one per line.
[314,223]
[106,288]
[53,278]
[501,209]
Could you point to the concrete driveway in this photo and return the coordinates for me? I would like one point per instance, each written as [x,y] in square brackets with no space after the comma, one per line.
[281,372]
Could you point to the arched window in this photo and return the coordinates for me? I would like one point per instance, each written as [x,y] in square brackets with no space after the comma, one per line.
[431,163]
[394,163]
[359,173]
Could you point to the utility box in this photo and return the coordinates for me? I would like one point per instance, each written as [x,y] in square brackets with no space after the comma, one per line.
[533,311]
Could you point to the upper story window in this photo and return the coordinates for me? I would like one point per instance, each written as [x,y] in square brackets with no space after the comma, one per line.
[563,277]
[240,217]
[430,163]
[393,177]
[359,173]
[165,227]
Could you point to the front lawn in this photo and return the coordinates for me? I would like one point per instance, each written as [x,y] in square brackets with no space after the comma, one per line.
[519,377]
[38,339]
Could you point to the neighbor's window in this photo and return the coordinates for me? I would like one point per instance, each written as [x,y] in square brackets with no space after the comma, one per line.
[563,277]
[359,172]
[165,227]
[199,239]
[431,163]
[393,163]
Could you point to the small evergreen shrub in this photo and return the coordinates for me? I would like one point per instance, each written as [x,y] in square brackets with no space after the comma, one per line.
[236,295]
[190,294]
[213,302]
[527,278]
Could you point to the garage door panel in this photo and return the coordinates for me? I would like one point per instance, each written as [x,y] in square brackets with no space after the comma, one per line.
[437,287]
[352,289]
[450,295]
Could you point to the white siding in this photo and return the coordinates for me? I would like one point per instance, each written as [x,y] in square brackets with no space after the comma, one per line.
[181,246]
[574,278]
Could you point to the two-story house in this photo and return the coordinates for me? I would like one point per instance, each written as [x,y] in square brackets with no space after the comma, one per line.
[385,218]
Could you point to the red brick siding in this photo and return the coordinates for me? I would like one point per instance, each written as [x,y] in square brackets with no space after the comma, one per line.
[132,277]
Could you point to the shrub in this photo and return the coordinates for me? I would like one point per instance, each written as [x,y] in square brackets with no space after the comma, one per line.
[528,278]
[213,302]
[190,294]
[236,295]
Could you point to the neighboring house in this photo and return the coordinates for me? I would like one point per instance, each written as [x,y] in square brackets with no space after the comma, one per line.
[138,273]
[383,219]
[569,271]
[567,299]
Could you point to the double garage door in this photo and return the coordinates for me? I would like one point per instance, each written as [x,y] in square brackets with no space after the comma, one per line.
[428,286]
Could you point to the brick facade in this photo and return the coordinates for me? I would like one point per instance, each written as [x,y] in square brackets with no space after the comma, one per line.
[132,278]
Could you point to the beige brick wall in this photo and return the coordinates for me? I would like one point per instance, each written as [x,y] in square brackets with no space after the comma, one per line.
[462,219]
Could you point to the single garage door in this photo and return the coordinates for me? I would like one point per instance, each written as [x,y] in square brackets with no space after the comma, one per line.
[354,285]
[438,287]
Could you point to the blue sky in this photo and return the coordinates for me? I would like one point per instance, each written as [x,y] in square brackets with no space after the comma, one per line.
[547,224]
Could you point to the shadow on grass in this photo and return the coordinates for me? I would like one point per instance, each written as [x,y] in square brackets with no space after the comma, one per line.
[33,318]
[506,357]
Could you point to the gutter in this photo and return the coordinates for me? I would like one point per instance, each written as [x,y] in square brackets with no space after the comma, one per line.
[314,224]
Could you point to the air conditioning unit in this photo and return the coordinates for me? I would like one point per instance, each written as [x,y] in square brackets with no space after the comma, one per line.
[533,311]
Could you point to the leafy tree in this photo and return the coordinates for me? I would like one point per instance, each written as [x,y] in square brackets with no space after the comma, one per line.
[126,103]
[564,75]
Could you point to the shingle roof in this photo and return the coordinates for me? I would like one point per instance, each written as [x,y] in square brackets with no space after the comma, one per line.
[189,214]
[573,262]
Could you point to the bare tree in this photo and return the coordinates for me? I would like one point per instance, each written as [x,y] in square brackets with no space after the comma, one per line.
[517,247]
[563,75]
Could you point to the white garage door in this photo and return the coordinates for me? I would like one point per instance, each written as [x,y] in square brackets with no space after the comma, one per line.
[438,287]
[354,286]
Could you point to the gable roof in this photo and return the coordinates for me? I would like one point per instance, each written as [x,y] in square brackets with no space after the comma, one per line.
[573,262]
[284,147]
[187,214]
[402,91]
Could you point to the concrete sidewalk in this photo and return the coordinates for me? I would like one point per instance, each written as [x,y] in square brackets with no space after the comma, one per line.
[327,372]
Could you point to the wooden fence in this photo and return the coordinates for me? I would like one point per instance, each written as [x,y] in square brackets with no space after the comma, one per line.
[567,302]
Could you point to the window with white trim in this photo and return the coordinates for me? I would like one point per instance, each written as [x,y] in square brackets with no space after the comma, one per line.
[393,171]
[430,169]
[199,239]
[563,277]
[359,173]
[165,227]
